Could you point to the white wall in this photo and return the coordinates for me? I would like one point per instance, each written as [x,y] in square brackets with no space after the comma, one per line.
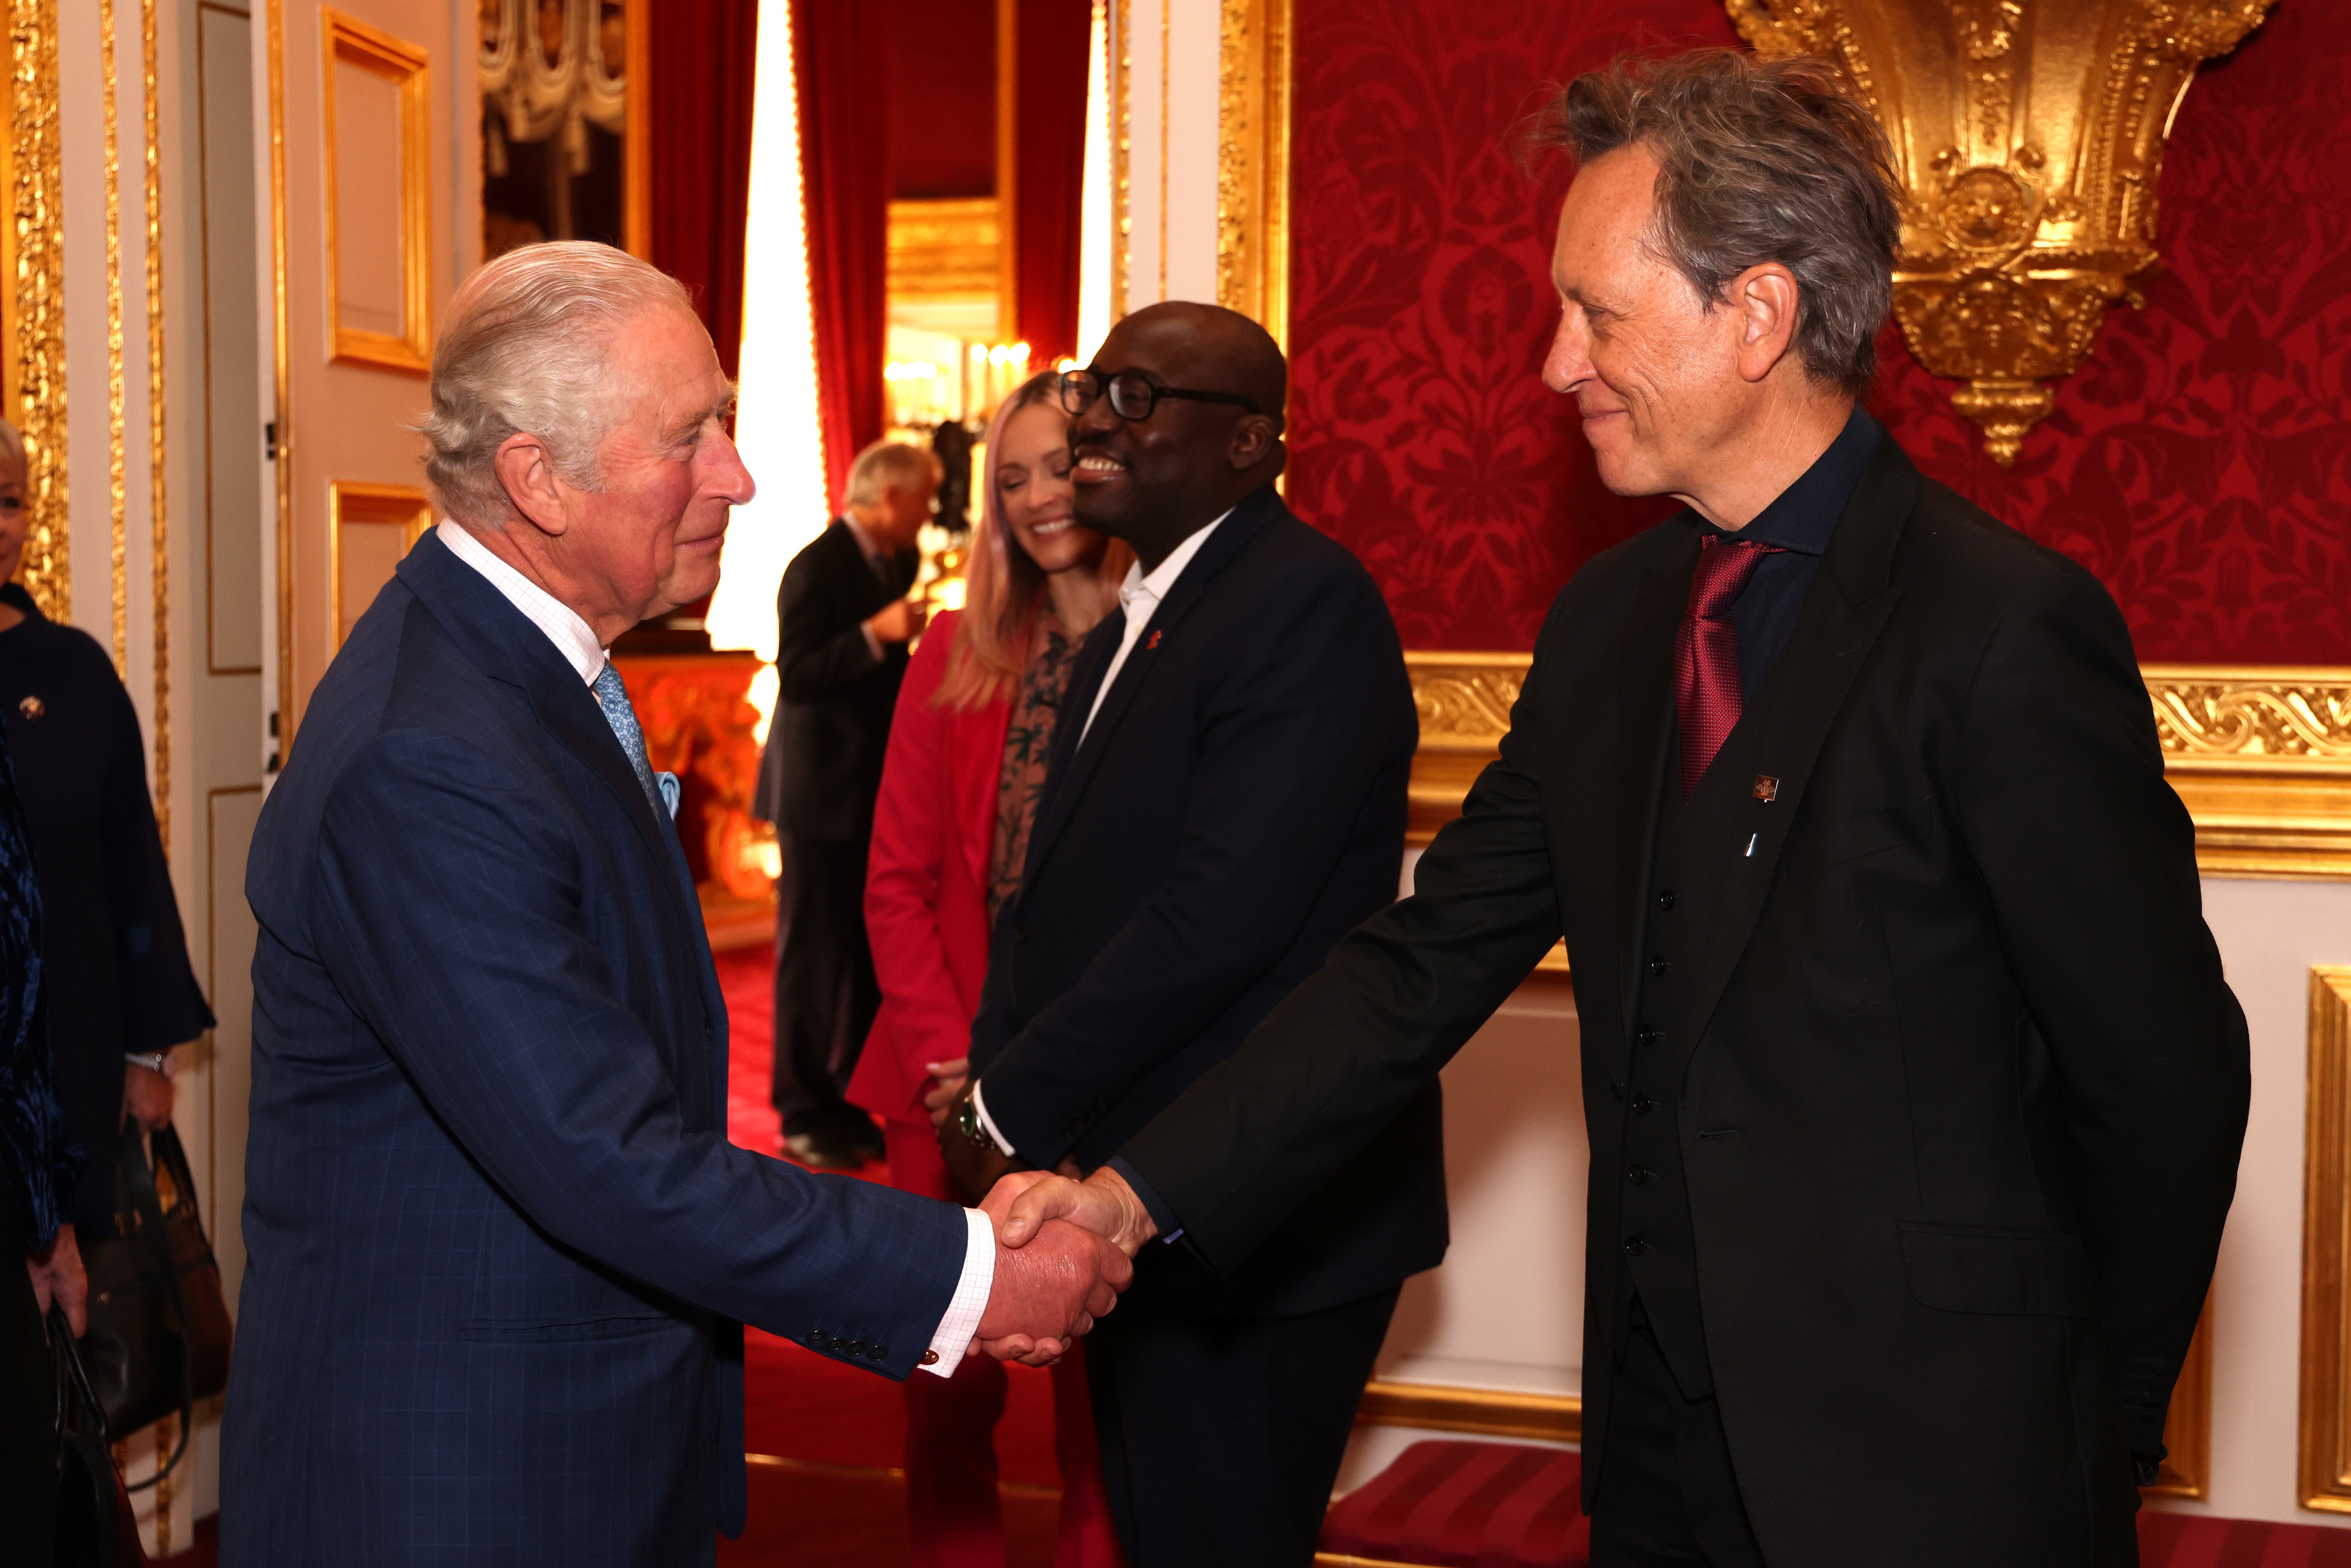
[1177,44]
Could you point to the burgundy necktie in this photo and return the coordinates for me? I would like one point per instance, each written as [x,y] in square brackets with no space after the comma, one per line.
[1707,695]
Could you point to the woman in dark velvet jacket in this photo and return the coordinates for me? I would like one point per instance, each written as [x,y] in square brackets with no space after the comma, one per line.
[119,993]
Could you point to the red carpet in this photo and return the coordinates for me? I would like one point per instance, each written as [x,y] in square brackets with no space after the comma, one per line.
[836,1435]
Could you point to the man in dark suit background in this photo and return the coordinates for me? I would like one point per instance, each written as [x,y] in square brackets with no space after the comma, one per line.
[499,1249]
[1914,1087]
[1228,797]
[842,624]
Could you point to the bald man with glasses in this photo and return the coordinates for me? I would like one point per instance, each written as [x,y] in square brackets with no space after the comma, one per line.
[1226,798]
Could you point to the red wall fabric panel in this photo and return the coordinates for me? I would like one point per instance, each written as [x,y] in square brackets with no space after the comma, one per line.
[701,59]
[942,98]
[2200,462]
[1050,181]
[840,71]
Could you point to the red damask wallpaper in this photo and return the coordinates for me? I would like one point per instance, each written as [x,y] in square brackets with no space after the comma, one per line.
[2200,462]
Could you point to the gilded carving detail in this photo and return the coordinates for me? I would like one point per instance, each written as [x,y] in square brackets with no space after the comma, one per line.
[1253,163]
[2246,718]
[36,371]
[2028,139]
[2261,757]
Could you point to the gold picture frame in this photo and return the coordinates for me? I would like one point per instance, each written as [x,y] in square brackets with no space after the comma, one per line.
[1253,163]
[2325,1446]
[348,41]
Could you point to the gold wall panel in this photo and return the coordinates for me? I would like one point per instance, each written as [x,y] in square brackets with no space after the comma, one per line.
[2028,140]
[360,541]
[32,253]
[947,249]
[2325,1436]
[351,42]
[1253,163]
[2261,756]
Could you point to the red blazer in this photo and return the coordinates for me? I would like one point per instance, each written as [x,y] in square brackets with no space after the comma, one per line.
[926,883]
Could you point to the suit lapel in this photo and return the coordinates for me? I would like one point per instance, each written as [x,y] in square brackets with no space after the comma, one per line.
[1645,719]
[505,646]
[1074,768]
[1850,602]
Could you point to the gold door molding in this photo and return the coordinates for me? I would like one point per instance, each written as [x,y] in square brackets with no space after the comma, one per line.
[32,252]
[2325,1436]
[351,41]
[351,504]
[1253,163]
[2186,1469]
[2261,756]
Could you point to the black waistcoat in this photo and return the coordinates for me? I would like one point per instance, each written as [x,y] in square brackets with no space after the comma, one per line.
[1657,1251]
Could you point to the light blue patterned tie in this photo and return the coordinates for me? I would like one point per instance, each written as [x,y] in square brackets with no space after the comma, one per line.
[613,698]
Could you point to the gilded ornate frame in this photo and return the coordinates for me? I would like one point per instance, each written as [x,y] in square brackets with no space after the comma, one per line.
[32,252]
[350,41]
[2325,1468]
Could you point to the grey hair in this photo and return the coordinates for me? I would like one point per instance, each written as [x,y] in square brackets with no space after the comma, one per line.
[887,463]
[1758,161]
[528,347]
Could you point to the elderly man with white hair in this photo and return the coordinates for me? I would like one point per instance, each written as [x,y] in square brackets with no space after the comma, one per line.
[501,1247]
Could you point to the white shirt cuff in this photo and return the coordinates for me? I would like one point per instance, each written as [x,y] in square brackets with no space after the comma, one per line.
[1003,1144]
[970,1300]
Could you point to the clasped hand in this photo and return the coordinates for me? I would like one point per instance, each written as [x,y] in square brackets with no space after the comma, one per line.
[1063,1252]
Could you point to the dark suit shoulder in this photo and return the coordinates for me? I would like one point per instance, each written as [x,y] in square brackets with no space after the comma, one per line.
[1958,551]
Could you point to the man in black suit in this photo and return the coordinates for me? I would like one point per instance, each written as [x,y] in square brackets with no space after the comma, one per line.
[1227,798]
[1914,1088]
[842,625]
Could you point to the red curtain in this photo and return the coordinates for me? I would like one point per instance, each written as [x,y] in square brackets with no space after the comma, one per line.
[699,65]
[1049,173]
[841,63]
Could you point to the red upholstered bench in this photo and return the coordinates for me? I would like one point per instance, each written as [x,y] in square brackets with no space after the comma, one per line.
[2200,1540]
[1464,1505]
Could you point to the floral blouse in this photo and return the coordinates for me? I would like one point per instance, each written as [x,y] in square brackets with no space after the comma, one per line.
[1027,749]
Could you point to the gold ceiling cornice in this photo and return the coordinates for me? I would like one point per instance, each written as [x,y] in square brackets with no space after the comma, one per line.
[2028,136]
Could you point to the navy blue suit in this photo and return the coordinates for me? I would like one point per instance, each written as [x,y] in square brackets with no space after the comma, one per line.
[501,1247]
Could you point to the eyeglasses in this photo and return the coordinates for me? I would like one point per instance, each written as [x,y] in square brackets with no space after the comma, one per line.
[1133,395]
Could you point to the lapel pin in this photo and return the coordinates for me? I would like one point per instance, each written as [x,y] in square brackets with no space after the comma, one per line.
[1153,643]
[1767,788]
[32,707]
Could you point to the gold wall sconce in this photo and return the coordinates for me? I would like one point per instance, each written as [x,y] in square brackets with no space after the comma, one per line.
[2028,136]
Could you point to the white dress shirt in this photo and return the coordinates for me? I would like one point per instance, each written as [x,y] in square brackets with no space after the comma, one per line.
[576,641]
[1139,598]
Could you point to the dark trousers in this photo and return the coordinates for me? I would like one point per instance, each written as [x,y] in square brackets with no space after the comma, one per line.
[1668,1494]
[28,1401]
[826,994]
[1221,1437]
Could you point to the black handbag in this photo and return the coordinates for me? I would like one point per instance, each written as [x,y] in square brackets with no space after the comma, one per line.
[95,1528]
[158,1329]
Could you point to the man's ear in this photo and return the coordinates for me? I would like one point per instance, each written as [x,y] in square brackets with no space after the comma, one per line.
[1254,440]
[525,468]
[1762,299]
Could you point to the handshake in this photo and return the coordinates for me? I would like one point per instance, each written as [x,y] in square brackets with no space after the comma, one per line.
[1063,1252]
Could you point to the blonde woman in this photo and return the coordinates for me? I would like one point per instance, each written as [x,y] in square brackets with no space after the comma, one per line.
[968,748]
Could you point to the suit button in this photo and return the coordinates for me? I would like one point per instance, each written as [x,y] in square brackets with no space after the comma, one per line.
[1644,1036]
[1665,899]
[1660,967]
[1643,1104]
[1635,1247]
[879,1352]
[818,1338]
[1637,1175]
